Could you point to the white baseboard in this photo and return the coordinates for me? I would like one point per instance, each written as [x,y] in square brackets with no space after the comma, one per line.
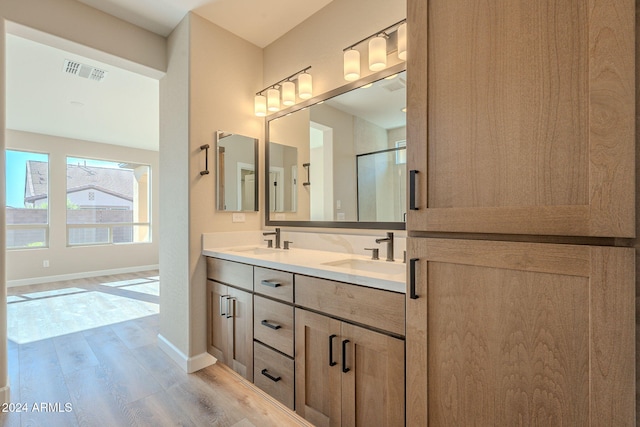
[5,394]
[82,275]
[187,364]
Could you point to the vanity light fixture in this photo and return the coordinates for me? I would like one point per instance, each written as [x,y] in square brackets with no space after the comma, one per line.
[268,99]
[377,50]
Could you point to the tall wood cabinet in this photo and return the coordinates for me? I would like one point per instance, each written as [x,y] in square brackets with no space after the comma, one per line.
[521,126]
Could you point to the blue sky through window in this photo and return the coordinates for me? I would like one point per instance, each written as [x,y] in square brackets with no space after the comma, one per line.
[16,165]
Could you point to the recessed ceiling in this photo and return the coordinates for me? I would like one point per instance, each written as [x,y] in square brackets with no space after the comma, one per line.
[43,97]
[258,21]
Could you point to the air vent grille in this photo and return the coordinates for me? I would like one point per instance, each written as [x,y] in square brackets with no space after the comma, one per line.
[84,71]
[395,84]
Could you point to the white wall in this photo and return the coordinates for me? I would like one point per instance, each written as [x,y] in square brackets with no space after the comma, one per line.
[88,32]
[26,265]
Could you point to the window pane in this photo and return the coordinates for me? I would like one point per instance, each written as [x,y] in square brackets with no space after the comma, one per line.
[27,189]
[107,193]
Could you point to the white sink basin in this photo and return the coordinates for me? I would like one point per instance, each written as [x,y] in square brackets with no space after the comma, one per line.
[382,267]
[256,250]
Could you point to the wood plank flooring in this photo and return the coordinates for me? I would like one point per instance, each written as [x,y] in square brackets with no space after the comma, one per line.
[115,375]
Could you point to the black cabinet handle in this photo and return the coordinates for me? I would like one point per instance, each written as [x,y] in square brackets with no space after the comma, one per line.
[412,189]
[266,373]
[270,325]
[270,284]
[344,356]
[331,361]
[412,278]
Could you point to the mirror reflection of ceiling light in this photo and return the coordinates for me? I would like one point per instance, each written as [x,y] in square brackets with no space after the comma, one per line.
[404,110]
[367,86]
[377,50]
[268,99]
[391,77]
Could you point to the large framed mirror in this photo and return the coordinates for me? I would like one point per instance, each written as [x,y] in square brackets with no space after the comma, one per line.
[236,172]
[339,160]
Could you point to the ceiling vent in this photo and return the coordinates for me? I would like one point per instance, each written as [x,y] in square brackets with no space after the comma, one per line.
[83,70]
[394,85]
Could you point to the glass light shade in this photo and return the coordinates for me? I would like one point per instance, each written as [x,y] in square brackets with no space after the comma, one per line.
[402,41]
[377,53]
[288,93]
[260,106]
[351,65]
[273,99]
[305,86]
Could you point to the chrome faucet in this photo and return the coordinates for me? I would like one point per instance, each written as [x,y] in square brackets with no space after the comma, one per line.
[389,240]
[274,233]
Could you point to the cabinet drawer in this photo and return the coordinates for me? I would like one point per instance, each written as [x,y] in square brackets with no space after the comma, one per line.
[273,283]
[269,363]
[273,324]
[230,273]
[372,307]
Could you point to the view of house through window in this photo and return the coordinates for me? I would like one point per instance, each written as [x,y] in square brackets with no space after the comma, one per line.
[27,189]
[107,202]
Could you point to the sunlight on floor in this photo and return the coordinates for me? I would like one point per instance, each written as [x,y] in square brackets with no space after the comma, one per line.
[39,315]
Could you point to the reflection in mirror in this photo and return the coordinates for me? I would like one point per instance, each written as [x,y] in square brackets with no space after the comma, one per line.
[351,157]
[283,178]
[237,179]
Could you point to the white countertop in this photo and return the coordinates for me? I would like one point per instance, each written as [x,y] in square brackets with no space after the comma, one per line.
[350,268]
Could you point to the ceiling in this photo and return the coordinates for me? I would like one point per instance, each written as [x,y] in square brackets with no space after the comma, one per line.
[123,109]
[258,21]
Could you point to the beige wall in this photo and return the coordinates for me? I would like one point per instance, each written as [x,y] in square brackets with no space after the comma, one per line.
[85,31]
[210,83]
[319,41]
[27,264]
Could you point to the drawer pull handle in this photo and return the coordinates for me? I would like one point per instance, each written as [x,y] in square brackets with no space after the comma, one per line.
[344,356]
[412,190]
[230,308]
[222,310]
[331,361]
[266,373]
[412,278]
[270,283]
[270,325]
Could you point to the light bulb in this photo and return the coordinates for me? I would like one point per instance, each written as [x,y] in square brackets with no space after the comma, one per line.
[402,41]
[273,99]
[288,93]
[260,105]
[351,65]
[305,86]
[377,53]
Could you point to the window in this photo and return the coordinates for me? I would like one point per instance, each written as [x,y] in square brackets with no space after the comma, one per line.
[27,189]
[401,154]
[107,202]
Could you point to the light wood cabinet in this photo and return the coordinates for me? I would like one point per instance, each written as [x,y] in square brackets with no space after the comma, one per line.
[230,327]
[510,333]
[521,117]
[347,375]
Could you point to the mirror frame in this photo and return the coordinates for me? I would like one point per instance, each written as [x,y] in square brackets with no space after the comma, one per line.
[394,69]
[256,162]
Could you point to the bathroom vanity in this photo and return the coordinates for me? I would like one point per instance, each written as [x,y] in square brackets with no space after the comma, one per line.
[322,332]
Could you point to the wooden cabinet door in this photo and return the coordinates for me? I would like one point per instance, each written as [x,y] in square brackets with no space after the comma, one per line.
[508,333]
[317,371]
[521,117]
[240,332]
[373,386]
[217,331]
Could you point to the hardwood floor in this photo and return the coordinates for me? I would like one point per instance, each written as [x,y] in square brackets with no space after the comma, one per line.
[114,374]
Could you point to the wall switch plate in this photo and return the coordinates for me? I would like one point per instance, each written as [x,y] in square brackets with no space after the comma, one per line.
[341,216]
[338,204]
[45,263]
[237,217]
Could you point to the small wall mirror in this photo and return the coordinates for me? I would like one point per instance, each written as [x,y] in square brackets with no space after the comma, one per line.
[236,172]
[341,162]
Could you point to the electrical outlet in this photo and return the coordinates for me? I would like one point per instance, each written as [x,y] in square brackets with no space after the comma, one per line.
[238,217]
[280,217]
[45,263]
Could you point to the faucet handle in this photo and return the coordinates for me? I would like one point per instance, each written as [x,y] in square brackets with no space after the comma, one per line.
[269,242]
[375,252]
[286,244]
